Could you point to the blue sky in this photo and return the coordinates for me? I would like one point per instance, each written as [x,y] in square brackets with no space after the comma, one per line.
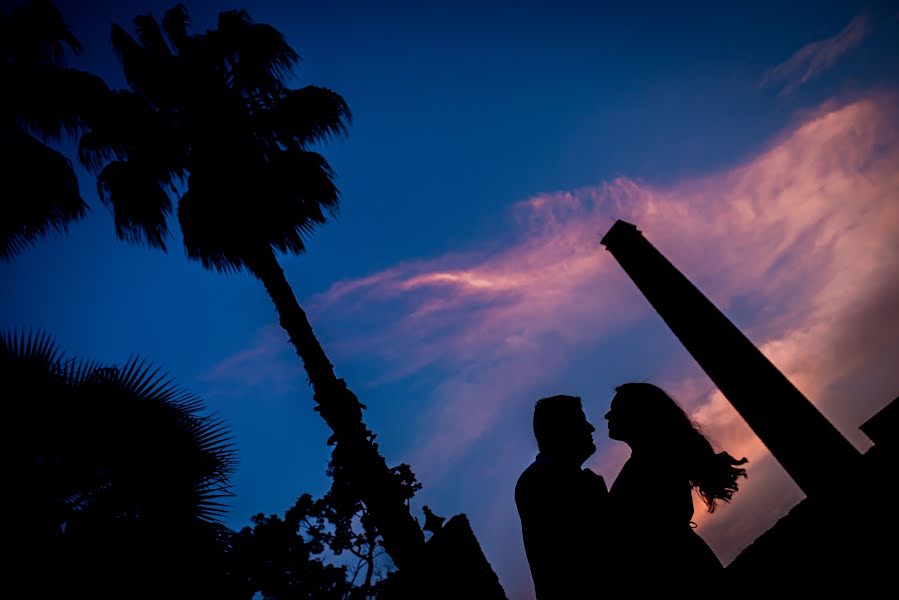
[489,145]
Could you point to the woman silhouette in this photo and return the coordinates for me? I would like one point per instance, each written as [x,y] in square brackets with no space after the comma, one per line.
[651,499]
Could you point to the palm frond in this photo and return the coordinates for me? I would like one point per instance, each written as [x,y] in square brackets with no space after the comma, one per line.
[35,33]
[139,202]
[294,190]
[150,36]
[215,230]
[43,98]
[301,187]
[307,115]
[113,466]
[175,23]
[50,100]
[134,60]
[30,347]
[41,193]
[174,453]
[220,114]
[210,439]
[256,56]
[77,371]
[95,150]
[125,122]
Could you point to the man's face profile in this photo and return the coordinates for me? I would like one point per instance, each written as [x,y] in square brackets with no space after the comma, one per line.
[562,429]
[585,445]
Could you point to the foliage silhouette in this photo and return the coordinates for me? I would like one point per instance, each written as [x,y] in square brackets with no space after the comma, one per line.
[284,558]
[43,98]
[209,115]
[116,478]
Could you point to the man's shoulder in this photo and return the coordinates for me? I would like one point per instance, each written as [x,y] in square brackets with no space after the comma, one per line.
[532,479]
[535,471]
[545,479]
[526,476]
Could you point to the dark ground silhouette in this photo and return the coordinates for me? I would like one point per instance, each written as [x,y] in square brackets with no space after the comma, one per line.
[844,540]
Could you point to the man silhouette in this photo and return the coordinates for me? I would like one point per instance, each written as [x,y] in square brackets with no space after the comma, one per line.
[560,504]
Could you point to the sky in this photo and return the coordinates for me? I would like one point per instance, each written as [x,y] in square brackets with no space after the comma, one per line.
[491,148]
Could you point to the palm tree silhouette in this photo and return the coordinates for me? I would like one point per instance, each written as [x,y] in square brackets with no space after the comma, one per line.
[41,97]
[209,117]
[117,476]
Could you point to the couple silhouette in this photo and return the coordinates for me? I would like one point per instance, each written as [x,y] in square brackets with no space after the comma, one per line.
[583,539]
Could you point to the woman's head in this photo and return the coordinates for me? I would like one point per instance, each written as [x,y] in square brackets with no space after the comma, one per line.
[643,414]
[646,418]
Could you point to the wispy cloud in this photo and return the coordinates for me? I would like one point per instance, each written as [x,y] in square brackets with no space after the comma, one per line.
[802,232]
[799,245]
[816,57]
[803,241]
[500,323]
[267,367]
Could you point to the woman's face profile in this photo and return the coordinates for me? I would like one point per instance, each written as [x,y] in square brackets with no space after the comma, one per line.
[619,421]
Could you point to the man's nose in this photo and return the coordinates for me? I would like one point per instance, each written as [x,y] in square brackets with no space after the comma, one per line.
[606,416]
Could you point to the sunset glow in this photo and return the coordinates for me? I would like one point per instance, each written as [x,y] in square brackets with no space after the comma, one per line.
[491,148]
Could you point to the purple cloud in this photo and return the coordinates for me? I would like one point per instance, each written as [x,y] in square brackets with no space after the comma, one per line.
[802,242]
[816,57]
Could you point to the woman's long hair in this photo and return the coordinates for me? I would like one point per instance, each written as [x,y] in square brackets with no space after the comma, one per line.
[712,474]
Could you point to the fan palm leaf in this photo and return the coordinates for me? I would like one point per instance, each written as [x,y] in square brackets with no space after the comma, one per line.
[131,423]
[41,192]
[109,463]
[305,116]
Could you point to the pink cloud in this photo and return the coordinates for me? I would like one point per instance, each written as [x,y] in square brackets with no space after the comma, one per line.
[816,57]
[804,239]
[800,246]
[267,366]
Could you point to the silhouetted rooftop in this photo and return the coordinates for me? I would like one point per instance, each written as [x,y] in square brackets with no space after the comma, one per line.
[883,427]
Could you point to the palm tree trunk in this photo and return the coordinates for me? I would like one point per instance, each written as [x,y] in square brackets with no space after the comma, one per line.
[366,469]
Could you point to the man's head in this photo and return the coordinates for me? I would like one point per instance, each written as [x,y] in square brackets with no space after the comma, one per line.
[562,429]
